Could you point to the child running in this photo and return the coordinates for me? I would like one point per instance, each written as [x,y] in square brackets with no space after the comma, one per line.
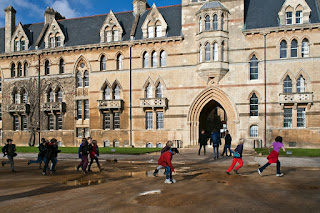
[273,156]
[166,148]
[237,158]
[84,151]
[42,153]
[9,149]
[165,161]
[94,154]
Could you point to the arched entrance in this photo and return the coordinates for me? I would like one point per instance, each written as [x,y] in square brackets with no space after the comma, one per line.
[211,109]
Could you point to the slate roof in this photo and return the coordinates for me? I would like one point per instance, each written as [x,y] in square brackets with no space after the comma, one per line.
[263,14]
[172,15]
[86,30]
[2,40]
[213,4]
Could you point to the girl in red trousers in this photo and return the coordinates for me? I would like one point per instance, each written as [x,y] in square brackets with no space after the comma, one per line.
[237,158]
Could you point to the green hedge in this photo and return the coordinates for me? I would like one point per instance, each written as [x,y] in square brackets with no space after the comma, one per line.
[102,150]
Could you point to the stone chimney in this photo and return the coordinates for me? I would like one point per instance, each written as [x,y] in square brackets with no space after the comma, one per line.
[10,26]
[139,6]
[51,14]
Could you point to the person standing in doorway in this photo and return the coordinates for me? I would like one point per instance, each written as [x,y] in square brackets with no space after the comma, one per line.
[227,144]
[273,157]
[9,149]
[203,141]
[215,141]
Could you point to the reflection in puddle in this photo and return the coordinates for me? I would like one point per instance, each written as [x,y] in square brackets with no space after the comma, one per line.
[141,174]
[158,191]
[121,174]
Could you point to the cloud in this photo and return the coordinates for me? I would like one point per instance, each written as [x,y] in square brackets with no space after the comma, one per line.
[34,9]
[86,3]
[64,8]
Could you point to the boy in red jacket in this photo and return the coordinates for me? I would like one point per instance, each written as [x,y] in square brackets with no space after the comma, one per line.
[165,161]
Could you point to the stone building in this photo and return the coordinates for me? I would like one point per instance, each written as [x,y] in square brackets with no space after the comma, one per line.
[157,74]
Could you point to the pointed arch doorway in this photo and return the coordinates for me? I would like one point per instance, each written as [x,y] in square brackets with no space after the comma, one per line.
[210,110]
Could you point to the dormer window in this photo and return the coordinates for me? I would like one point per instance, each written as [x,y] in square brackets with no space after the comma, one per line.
[158,29]
[288,18]
[22,44]
[294,12]
[58,40]
[154,25]
[111,30]
[150,32]
[108,34]
[54,36]
[299,17]
[16,45]
[51,41]
[19,40]
[115,33]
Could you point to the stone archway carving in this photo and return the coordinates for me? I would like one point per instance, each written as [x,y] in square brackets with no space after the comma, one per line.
[216,94]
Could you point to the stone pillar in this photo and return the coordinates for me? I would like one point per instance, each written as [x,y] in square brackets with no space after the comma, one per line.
[10,26]
[139,6]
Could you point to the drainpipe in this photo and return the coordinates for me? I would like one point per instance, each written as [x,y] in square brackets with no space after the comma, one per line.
[39,88]
[130,113]
[265,89]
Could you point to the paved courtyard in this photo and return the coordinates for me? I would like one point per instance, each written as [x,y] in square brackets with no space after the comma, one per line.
[127,185]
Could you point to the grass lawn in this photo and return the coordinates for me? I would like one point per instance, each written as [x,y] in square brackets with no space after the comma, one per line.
[102,150]
[295,152]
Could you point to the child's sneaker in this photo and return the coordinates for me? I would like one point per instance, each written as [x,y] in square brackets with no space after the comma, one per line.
[236,171]
[279,175]
[260,173]
[228,173]
[167,181]
[173,181]
[155,172]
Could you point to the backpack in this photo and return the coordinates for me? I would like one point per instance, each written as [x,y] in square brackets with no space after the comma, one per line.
[80,156]
[4,149]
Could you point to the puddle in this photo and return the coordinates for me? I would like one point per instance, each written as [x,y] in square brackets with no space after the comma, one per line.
[112,175]
[84,183]
[158,191]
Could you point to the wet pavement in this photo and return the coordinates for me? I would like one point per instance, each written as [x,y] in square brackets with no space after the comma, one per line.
[127,184]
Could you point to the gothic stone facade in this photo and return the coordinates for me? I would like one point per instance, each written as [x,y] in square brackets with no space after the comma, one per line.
[183,66]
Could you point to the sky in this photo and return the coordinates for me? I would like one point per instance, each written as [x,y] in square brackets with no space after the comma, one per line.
[32,11]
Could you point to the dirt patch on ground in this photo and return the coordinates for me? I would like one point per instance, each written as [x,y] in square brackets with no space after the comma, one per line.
[201,187]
